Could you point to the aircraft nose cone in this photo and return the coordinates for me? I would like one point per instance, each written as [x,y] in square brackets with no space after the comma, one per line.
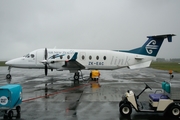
[12,62]
[17,62]
[8,63]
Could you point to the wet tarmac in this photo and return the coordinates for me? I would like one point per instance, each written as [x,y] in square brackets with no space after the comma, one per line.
[67,101]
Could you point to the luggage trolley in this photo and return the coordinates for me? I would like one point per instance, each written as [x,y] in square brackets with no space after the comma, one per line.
[10,99]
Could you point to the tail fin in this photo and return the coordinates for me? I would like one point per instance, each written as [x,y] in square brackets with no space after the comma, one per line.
[152,45]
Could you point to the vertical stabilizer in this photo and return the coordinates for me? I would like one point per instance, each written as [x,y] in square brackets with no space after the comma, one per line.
[153,44]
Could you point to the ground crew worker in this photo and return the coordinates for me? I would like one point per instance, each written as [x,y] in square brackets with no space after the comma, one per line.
[95,74]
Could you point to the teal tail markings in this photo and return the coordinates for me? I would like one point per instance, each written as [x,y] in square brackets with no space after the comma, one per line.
[74,57]
[152,45]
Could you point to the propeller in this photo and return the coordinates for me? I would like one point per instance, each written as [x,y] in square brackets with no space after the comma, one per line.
[45,64]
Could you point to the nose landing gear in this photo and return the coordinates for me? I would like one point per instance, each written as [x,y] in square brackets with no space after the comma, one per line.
[8,76]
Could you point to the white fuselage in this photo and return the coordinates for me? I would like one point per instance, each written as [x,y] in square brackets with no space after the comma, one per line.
[90,59]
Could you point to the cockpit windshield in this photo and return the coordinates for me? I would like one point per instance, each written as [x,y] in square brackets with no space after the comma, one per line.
[29,56]
[26,56]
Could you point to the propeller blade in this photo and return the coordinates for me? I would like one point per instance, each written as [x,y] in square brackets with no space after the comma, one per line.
[45,54]
[45,62]
[46,70]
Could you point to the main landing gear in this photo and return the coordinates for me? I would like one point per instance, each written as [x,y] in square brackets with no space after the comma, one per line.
[77,76]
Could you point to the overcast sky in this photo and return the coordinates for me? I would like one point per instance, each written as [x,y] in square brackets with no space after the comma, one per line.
[26,25]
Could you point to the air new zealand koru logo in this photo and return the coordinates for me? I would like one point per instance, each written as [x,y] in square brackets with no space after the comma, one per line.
[151,46]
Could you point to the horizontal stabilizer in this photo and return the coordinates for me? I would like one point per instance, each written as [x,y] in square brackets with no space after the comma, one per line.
[141,65]
[168,36]
[138,58]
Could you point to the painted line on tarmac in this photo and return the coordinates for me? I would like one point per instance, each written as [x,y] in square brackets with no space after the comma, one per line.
[55,93]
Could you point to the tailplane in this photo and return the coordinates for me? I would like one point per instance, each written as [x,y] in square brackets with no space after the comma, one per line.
[152,45]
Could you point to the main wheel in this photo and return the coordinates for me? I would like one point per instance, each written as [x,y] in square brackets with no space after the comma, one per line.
[175,111]
[8,76]
[76,76]
[125,110]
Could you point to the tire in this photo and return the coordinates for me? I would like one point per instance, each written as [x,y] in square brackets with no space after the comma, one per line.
[175,111]
[18,109]
[10,114]
[76,77]
[125,110]
[120,103]
[8,76]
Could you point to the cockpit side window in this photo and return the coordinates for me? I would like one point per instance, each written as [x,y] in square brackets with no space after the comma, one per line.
[32,55]
[27,56]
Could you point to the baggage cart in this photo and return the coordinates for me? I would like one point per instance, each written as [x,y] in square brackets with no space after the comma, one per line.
[10,100]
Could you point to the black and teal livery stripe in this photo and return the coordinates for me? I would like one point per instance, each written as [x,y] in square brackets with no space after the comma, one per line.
[151,46]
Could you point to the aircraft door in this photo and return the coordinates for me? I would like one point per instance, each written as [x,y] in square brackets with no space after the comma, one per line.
[39,57]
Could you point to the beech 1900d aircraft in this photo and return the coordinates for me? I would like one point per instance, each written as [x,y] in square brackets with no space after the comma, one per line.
[76,59]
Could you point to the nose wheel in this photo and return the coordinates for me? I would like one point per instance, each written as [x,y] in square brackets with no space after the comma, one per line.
[8,76]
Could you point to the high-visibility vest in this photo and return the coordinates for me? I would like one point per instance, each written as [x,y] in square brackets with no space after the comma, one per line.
[95,73]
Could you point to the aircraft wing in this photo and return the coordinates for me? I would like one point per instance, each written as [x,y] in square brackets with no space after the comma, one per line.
[70,64]
[73,64]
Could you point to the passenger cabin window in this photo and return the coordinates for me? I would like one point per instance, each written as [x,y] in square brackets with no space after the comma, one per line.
[61,57]
[83,57]
[97,57]
[68,57]
[90,57]
[104,57]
